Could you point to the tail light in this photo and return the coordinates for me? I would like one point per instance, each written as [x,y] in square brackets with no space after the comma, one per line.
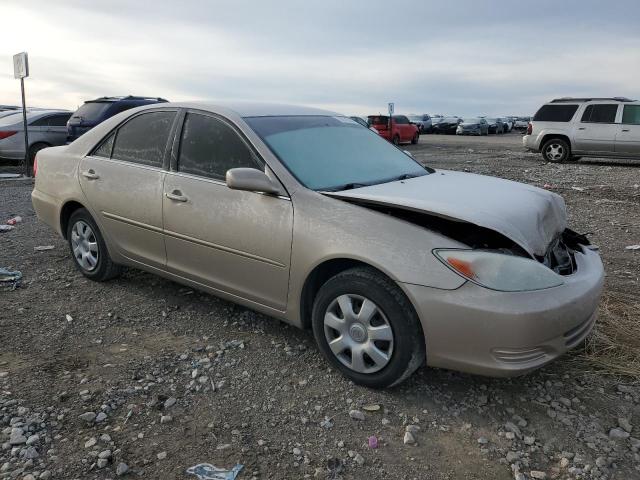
[7,134]
[529,128]
[35,166]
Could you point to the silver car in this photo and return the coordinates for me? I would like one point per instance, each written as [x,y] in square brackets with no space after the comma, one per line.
[46,128]
[304,215]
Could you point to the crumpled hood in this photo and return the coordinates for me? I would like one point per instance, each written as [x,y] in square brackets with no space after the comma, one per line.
[528,215]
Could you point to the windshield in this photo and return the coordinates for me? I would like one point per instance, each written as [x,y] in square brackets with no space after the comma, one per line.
[451,119]
[471,120]
[333,153]
[378,120]
[415,118]
[92,111]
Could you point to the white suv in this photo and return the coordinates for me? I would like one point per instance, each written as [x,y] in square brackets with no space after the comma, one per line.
[570,128]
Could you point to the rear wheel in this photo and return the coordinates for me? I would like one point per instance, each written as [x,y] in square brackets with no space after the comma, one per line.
[33,151]
[88,248]
[396,140]
[556,150]
[415,138]
[367,329]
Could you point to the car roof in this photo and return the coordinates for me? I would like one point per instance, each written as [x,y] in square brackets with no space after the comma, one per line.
[132,98]
[248,109]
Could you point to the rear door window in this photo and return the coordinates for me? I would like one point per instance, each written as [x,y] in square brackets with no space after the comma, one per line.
[144,138]
[631,115]
[555,113]
[209,147]
[600,113]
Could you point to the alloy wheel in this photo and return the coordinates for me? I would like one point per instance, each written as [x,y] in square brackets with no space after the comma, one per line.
[554,152]
[84,245]
[358,333]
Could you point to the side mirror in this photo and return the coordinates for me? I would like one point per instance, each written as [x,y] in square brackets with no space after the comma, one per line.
[251,180]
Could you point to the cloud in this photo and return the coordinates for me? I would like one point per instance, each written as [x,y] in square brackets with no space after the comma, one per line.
[354,57]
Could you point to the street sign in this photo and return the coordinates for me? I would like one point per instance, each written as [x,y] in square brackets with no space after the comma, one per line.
[390,108]
[20,65]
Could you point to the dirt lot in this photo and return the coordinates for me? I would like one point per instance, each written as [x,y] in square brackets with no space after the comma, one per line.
[178,377]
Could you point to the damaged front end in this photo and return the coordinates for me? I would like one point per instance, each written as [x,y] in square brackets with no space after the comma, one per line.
[558,257]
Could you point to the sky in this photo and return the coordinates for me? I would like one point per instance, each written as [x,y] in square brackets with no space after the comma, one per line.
[461,58]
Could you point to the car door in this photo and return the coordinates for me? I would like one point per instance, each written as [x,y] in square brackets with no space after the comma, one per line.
[596,131]
[56,133]
[628,136]
[234,241]
[123,179]
[406,129]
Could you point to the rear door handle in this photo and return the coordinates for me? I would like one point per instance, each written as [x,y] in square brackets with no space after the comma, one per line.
[90,174]
[582,128]
[176,196]
[625,129]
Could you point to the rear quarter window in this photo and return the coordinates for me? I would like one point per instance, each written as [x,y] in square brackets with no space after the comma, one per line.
[555,113]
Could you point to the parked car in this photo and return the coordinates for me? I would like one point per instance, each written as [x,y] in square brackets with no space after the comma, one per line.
[301,215]
[473,126]
[402,130]
[447,125]
[522,123]
[508,123]
[495,125]
[570,128]
[423,122]
[96,111]
[363,122]
[46,128]
[9,107]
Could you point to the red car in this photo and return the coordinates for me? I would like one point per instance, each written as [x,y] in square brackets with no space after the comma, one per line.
[402,130]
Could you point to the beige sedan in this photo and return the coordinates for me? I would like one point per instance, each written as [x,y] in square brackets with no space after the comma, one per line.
[307,216]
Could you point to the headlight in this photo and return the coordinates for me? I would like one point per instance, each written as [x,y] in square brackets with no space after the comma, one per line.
[499,271]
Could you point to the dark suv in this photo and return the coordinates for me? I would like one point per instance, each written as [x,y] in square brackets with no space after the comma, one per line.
[97,111]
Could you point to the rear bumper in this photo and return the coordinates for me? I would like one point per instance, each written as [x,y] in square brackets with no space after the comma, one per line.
[47,209]
[481,331]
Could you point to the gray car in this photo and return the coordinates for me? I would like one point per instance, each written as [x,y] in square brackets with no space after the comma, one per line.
[46,128]
[473,126]
[304,215]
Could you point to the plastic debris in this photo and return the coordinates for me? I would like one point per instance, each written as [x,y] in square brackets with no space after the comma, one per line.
[5,228]
[14,220]
[206,471]
[373,441]
[632,247]
[43,248]
[7,276]
[578,189]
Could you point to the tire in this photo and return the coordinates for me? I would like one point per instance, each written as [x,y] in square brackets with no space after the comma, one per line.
[415,139]
[396,140]
[33,151]
[394,315]
[90,243]
[556,150]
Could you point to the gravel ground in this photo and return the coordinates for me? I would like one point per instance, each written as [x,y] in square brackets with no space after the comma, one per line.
[141,377]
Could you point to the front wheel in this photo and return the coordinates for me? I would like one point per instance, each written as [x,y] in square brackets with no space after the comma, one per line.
[89,249]
[396,140]
[556,151]
[367,329]
[415,138]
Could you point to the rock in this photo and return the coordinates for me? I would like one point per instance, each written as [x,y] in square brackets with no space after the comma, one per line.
[529,440]
[565,401]
[17,437]
[625,424]
[618,434]
[90,443]
[122,469]
[359,459]
[102,462]
[101,417]
[483,440]
[601,462]
[412,428]
[537,474]
[46,475]
[29,477]
[564,462]
[166,419]
[88,417]
[297,452]
[32,439]
[105,438]
[409,439]
[513,428]
[161,455]
[509,435]
[356,414]
[512,456]
[170,402]
[482,400]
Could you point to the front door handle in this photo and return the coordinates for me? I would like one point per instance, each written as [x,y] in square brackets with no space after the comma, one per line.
[625,129]
[90,174]
[176,196]
[582,128]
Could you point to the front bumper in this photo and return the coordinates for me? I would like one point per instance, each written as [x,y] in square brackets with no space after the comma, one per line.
[481,331]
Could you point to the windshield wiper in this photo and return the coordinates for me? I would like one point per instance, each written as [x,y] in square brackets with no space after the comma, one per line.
[347,186]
